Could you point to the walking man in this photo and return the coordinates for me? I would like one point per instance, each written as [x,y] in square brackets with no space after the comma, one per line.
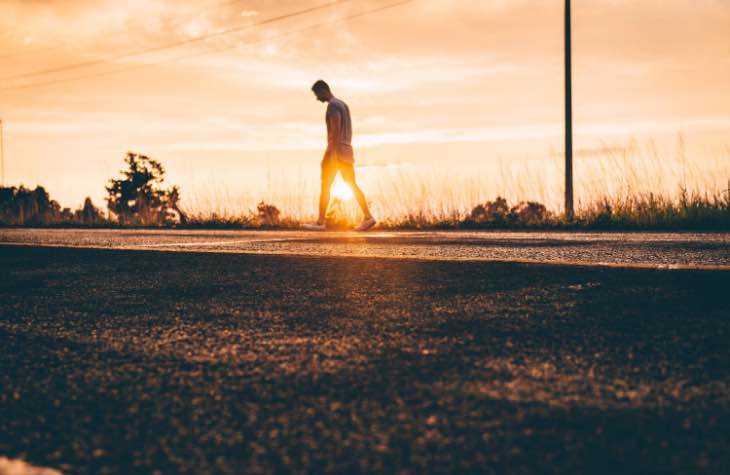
[339,156]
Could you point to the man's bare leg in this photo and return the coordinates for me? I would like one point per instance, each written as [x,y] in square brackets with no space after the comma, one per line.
[360,197]
[324,202]
[329,171]
[348,174]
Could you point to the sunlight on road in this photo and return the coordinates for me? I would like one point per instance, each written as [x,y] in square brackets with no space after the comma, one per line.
[20,467]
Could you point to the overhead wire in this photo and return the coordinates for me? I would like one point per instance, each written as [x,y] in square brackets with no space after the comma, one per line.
[215,51]
[175,44]
[174,20]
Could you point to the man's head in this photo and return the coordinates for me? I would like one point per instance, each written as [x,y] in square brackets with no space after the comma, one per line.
[322,90]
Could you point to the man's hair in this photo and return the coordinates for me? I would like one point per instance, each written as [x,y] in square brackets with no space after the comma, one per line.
[320,86]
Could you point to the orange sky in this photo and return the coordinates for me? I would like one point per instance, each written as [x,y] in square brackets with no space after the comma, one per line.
[435,87]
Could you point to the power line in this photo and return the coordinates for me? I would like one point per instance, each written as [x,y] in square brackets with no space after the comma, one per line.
[203,53]
[175,44]
[176,20]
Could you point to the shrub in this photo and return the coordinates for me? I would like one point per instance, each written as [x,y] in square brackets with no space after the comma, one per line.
[529,213]
[491,211]
[267,214]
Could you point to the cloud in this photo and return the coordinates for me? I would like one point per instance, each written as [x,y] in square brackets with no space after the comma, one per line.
[309,136]
[431,71]
[57,128]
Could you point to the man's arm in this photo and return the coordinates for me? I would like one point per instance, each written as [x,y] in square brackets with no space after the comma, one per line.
[334,123]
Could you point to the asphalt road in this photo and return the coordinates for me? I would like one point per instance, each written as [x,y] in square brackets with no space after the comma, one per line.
[139,361]
[673,250]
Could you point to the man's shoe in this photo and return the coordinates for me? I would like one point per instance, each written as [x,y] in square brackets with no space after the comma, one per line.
[366,224]
[314,227]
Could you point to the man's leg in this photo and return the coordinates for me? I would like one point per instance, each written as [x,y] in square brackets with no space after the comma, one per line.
[329,171]
[348,174]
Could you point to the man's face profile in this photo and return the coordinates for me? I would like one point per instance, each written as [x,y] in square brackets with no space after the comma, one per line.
[321,95]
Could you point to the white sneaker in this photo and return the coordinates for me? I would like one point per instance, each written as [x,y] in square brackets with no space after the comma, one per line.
[366,224]
[314,226]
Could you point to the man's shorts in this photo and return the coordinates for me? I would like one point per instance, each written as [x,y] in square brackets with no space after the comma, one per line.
[334,162]
[343,153]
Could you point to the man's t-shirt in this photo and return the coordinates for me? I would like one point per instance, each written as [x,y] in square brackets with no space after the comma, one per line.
[343,140]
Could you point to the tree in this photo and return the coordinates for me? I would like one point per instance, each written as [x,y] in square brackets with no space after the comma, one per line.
[21,206]
[88,214]
[139,196]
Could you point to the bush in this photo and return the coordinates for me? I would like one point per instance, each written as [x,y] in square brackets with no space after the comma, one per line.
[496,211]
[529,213]
[499,213]
[267,214]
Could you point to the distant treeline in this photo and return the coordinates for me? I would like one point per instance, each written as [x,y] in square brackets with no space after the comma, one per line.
[23,206]
[138,198]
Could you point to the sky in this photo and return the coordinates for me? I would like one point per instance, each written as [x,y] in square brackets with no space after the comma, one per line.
[459,100]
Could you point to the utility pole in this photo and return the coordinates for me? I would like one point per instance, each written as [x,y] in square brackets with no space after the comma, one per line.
[2,155]
[568,116]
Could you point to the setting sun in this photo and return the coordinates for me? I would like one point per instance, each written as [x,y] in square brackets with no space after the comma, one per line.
[341,191]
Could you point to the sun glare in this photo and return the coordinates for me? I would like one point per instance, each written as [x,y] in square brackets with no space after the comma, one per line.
[341,190]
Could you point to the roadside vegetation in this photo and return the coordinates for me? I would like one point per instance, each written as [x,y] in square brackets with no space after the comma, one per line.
[22,206]
[140,197]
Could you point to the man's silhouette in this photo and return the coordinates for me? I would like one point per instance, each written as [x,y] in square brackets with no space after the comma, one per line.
[339,156]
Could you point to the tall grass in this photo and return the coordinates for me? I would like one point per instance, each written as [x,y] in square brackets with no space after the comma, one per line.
[636,186]
[695,211]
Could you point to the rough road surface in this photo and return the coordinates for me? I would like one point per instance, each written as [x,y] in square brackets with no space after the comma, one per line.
[672,250]
[138,361]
